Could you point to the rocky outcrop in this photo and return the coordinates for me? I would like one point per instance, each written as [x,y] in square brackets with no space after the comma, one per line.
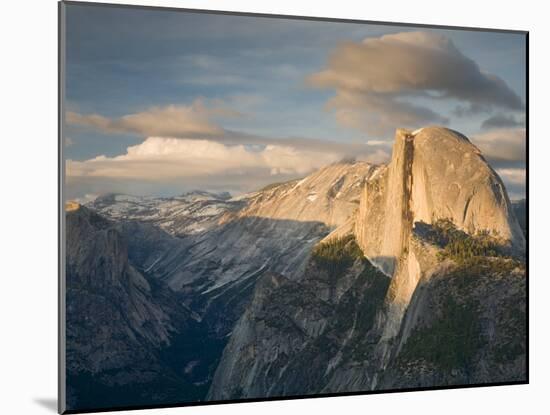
[436,176]
[329,196]
[119,323]
[296,334]
[435,173]
[464,325]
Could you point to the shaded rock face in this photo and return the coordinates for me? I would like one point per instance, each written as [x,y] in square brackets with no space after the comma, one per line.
[463,326]
[520,209]
[296,335]
[121,326]
[97,261]
[274,233]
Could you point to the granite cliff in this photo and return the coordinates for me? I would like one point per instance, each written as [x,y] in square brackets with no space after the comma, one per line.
[123,328]
[436,228]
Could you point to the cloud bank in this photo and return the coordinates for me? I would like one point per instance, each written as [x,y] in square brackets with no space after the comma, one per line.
[187,164]
[380,82]
[502,121]
[503,146]
[166,166]
[196,119]
[513,176]
[505,149]
[161,158]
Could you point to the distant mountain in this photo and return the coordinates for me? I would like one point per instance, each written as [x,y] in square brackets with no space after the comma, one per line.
[520,210]
[187,214]
[356,277]
[272,229]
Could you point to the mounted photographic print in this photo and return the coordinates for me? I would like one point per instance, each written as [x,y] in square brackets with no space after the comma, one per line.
[258,207]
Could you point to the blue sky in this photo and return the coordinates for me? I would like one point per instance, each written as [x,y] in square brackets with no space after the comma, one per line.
[272,93]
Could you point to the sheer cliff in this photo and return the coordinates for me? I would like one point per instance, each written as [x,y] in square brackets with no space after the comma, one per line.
[121,326]
[435,173]
[436,216]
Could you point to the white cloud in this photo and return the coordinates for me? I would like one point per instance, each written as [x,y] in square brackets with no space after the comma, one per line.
[382,143]
[160,158]
[512,176]
[378,156]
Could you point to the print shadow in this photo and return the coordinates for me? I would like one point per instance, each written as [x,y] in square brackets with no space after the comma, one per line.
[48,403]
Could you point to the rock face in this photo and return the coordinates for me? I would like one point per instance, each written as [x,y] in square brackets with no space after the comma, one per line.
[329,196]
[274,232]
[119,323]
[295,334]
[463,326]
[435,173]
[314,337]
